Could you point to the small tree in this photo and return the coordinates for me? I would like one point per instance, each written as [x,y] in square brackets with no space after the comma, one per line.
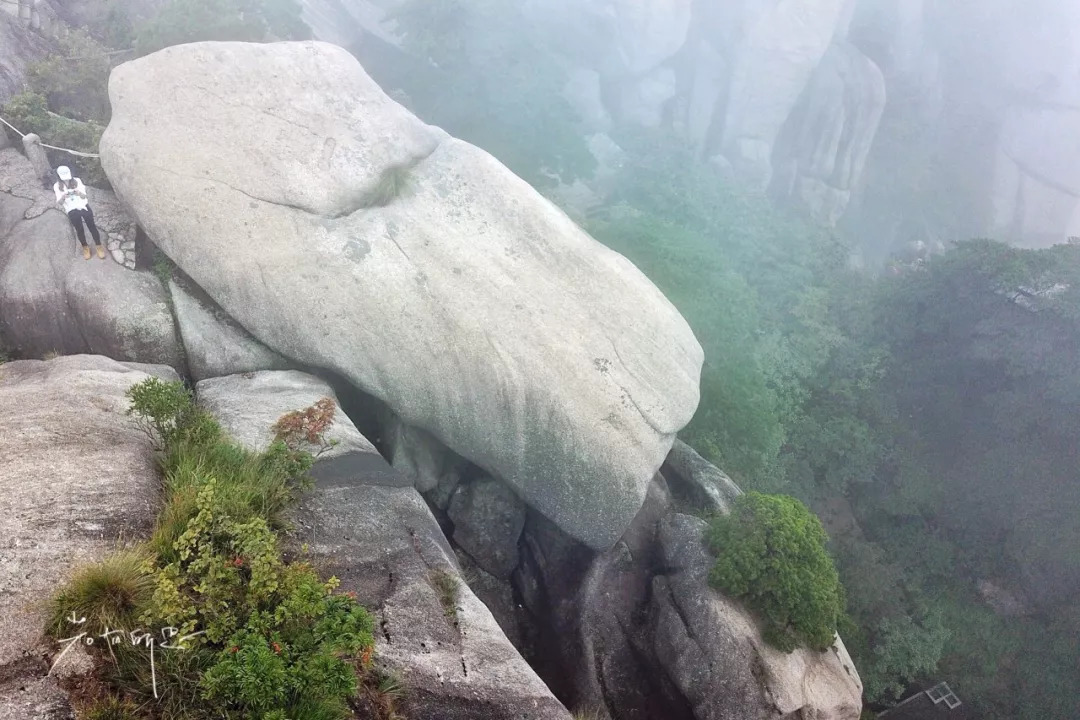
[771,554]
[75,80]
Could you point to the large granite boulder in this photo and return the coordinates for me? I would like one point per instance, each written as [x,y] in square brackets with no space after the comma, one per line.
[53,301]
[413,264]
[77,480]
[383,543]
[697,483]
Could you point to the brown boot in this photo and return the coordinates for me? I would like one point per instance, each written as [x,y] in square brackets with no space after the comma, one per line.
[86,252]
[101,252]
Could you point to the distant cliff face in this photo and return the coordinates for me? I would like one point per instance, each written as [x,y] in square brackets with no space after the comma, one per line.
[18,48]
[904,119]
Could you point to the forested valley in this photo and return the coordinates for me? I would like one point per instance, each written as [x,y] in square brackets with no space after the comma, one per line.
[924,407]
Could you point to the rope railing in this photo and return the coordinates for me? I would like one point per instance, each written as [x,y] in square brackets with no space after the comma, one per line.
[76,153]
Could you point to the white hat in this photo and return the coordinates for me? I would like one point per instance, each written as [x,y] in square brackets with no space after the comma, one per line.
[63,173]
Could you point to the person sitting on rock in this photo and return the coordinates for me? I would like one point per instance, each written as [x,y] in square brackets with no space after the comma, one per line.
[71,195]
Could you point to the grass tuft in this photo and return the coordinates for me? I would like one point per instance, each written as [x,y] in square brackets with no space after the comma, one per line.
[448,588]
[110,594]
[111,708]
[380,694]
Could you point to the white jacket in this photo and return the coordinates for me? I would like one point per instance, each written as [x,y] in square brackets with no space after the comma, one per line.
[72,198]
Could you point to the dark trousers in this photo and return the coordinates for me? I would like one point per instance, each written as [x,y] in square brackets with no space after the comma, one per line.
[77,218]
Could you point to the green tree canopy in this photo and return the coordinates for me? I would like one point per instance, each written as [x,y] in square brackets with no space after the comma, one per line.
[771,553]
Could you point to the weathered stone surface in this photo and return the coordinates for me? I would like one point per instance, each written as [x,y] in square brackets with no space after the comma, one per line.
[468,303]
[439,496]
[488,519]
[384,544]
[51,300]
[713,652]
[248,405]
[39,161]
[77,480]
[637,629]
[698,482]
[215,345]
[34,699]
[496,594]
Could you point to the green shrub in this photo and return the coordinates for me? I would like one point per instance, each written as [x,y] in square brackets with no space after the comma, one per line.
[168,414]
[771,554]
[261,638]
[29,111]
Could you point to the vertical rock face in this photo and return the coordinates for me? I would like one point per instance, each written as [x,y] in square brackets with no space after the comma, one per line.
[18,49]
[488,520]
[1037,175]
[413,264]
[827,138]
[637,630]
[77,479]
[985,122]
[1036,198]
[774,59]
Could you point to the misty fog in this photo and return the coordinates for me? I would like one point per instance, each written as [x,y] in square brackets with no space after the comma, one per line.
[867,211]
